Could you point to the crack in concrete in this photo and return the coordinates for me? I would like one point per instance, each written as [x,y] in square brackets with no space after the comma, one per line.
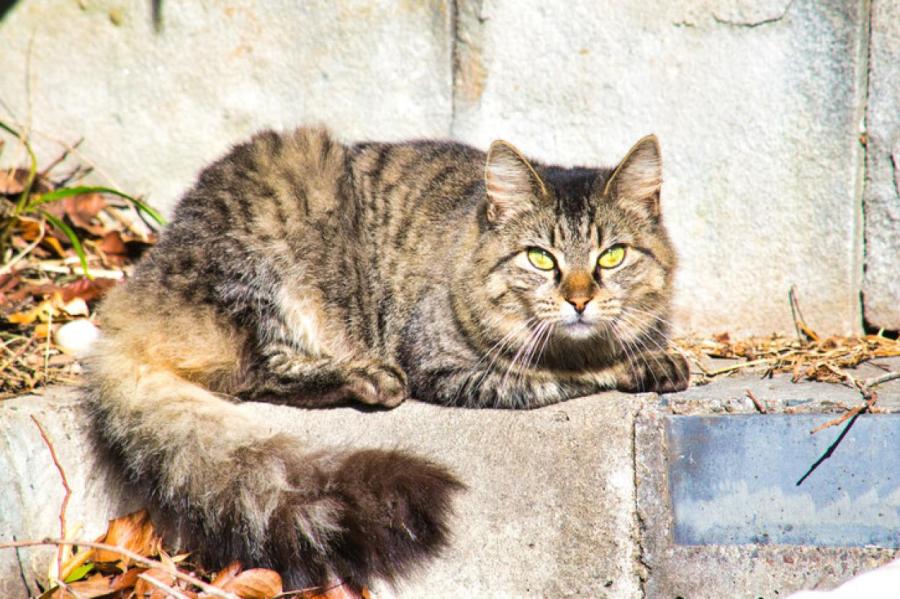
[642,566]
[752,24]
[895,173]
[454,61]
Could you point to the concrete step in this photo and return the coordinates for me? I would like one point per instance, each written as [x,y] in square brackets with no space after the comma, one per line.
[691,494]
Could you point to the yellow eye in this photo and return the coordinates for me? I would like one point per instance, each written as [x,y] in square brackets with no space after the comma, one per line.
[612,257]
[540,259]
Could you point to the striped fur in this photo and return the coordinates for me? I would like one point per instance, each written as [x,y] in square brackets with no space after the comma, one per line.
[303,271]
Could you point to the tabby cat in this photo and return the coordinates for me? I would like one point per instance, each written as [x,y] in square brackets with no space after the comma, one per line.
[306,272]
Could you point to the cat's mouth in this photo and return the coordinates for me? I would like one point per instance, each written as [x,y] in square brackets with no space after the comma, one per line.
[578,327]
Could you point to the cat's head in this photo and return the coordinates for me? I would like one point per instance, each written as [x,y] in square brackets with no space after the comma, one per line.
[574,254]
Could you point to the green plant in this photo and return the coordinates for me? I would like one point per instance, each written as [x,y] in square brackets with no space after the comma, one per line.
[32,205]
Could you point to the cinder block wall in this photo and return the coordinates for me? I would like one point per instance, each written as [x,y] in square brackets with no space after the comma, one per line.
[779,119]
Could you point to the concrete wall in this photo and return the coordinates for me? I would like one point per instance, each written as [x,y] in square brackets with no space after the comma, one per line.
[760,107]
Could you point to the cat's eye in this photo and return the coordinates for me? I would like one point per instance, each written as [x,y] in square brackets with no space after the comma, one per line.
[541,259]
[612,257]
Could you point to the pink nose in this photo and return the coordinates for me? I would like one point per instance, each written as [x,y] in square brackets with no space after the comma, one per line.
[579,302]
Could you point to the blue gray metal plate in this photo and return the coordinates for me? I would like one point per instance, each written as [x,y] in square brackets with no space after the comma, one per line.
[733,480]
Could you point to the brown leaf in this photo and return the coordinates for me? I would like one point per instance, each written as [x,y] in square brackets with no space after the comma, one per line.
[134,532]
[256,583]
[57,247]
[13,181]
[23,317]
[142,588]
[87,289]
[29,229]
[226,574]
[113,249]
[112,243]
[82,209]
[97,585]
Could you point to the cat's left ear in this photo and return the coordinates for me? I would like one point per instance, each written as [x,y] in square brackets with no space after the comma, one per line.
[511,183]
[638,178]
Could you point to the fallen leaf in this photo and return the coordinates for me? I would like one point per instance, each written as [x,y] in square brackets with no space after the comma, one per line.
[95,586]
[42,330]
[87,289]
[12,181]
[226,574]
[256,583]
[42,311]
[113,248]
[82,209]
[75,307]
[29,229]
[133,532]
[142,588]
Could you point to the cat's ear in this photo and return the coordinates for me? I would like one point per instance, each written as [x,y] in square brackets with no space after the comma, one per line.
[511,183]
[637,180]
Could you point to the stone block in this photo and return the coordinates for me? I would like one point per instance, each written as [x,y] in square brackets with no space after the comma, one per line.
[757,105]
[719,565]
[881,289]
[549,510]
[156,106]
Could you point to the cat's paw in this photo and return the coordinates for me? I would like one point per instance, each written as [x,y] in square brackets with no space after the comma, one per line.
[377,383]
[655,372]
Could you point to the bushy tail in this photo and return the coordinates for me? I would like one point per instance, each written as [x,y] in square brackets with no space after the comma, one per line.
[240,492]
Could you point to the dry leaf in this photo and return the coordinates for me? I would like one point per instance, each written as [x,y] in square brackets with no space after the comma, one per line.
[75,307]
[133,532]
[29,229]
[42,311]
[226,574]
[82,209]
[55,245]
[256,583]
[142,588]
[87,289]
[13,181]
[95,586]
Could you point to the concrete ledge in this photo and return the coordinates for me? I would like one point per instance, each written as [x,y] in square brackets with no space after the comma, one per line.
[584,498]
[549,510]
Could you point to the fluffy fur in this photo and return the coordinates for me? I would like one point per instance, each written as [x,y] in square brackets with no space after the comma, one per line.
[303,271]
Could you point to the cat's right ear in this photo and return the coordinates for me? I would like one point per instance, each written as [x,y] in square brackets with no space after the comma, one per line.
[637,180]
[511,183]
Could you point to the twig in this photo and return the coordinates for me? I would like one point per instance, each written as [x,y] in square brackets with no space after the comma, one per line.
[62,585]
[97,273]
[882,379]
[799,322]
[65,482]
[131,555]
[760,407]
[163,586]
[47,351]
[852,412]
[739,365]
[60,158]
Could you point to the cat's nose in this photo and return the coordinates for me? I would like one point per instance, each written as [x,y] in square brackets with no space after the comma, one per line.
[579,303]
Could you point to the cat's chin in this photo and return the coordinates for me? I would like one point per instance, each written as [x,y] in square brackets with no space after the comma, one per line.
[578,330]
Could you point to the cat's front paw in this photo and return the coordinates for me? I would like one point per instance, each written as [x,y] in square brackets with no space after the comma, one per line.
[377,383]
[655,372]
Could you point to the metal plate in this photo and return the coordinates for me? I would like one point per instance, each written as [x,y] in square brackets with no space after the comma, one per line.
[733,480]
